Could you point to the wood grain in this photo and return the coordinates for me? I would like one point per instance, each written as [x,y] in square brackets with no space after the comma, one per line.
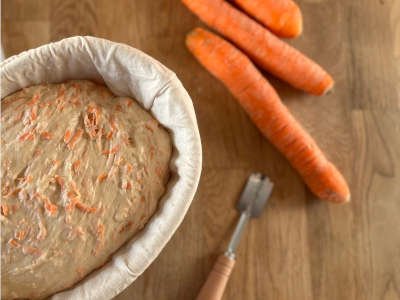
[300,248]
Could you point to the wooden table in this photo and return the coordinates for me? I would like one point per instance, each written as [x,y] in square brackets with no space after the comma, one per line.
[301,248]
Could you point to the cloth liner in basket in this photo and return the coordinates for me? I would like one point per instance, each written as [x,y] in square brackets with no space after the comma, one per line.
[127,72]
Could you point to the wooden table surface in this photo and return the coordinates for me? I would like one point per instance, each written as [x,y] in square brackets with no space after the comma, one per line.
[301,247]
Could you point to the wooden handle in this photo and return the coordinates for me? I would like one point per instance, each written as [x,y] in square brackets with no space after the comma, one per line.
[214,287]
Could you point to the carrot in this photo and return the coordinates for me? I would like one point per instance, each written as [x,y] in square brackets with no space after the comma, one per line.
[21,235]
[282,17]
[148,127]
[101,177]
[76,165]
[67,136]
[46,135]
[60,181]
[268,51]
[266,110]
[115,148]
[14,243]
[84,207]
[27,136]
[75,138]
[4,209]
[51,208]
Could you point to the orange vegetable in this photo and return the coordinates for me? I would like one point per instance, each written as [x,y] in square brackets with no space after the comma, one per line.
[46,135]
[268,51]
[101,177]
[51,208]
[60,181]
[282,17]
[85,208]
[4,209]
[27,136]
[21,235]
[266,110]
[14,243]
[75,138]
[76,165]
[67,136]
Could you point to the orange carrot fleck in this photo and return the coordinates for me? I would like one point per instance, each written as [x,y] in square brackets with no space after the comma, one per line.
[30,250]
[85,208]
[14,243]
[51,208]
[34,99]
[80,271]
[46,135]
[100,230]
[21,235]
[125,227]
[118,107]
[67,136]
[149,128]
[74,187]
[37,152]
[143,198]
[4,209]
[60,181]
[33,112]
[129,102]
[115,148]
[76,165]
[128,186]
[109,136]
[75,138]
[101,177]
[15,192]
[105,152]
[138,180]
[27,136]
[71,194]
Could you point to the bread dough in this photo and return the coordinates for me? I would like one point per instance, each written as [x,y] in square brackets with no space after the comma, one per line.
[82,171]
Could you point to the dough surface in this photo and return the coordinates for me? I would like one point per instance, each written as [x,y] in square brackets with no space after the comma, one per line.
[82,171]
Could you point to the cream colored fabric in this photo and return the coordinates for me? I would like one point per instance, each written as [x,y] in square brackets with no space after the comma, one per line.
[127,72]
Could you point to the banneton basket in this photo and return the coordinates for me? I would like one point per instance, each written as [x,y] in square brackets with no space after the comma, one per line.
[127,72]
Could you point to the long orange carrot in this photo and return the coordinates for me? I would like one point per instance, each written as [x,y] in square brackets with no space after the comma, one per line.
[268,51]
[266,110]
[282,17]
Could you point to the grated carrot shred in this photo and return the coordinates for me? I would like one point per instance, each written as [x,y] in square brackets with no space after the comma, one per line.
[46,135]
[60,181]
[75,138]
[4,209]
[67,136]
[14,243]
[51,208]
[76,165]
[85,208]
[101,177]
[21,235]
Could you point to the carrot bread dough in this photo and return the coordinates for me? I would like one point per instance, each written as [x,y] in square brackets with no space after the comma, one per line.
[82,171]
